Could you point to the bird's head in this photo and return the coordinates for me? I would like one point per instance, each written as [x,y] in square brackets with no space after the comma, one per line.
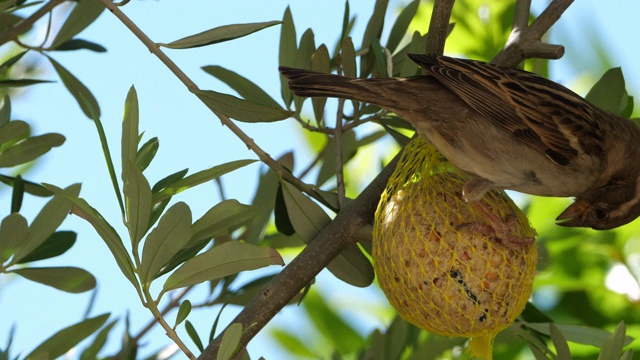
[607,207]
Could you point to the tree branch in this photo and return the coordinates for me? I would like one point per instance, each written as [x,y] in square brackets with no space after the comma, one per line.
[13,32]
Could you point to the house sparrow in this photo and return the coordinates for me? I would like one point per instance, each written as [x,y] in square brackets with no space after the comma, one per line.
[509,129]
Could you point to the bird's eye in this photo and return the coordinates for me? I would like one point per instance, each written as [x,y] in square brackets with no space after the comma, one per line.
[601,214]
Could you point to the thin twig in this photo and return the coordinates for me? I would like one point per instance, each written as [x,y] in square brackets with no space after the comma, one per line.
[13,32]
[345,127]
[280,170]
[337,137]
[172,304]
[438,27]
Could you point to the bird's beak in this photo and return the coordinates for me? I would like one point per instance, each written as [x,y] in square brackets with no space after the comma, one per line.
[574,215]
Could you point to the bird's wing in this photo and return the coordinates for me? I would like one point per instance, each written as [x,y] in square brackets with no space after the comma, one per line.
[541,113]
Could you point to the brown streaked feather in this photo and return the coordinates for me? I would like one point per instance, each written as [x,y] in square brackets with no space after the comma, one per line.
[547,116]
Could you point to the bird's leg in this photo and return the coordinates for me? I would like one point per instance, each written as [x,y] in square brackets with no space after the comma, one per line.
[475,188]
[501,228]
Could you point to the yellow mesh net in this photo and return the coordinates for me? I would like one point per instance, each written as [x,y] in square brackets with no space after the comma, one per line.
[447,266]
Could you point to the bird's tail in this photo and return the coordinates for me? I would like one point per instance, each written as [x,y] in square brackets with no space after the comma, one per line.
[314,84]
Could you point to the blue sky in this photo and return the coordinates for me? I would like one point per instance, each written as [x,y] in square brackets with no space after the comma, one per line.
[191,137]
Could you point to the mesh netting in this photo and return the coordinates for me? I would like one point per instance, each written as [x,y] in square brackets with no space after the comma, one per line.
[445,265]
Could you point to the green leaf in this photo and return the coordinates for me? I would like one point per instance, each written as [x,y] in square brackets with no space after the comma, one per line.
[416,46]
[91,352]
[183,312]
[129,140]
[55,245]
[172,234]
[47,221]
[560,343]
[612,347]
[69,279]
[230,341]
[320,62]
[147,153]
[5,110]
[17,194]
[578,334]
[305,50]
[263,201]
[242,295]
[308,219]
[65,339]
[137,197]
[380,56]
[76,87]
[240,109]
[168,180]
[221,219]
[13,235]
[281,214]
[80,44]
[609,93]
[103,228]
[627,355]
[11,83]
[193,334]
[348,58]
[14,131]
[30,149]
[373,31]
[222,260]
[287,52]
[219,34]
[11,61]
[401,25]
[243,86]
[199,178]
[82,15]
[30,187]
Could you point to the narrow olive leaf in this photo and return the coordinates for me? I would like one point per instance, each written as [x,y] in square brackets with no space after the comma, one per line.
[609,92]
[183,312]
[82,15]
[91,351]
[242,295]
[240,109]
[380,56]
[349,149]
[11,83]
[230,341]
[55,245]
[168,180]
[372,31]
[612,347]
[80,44]
[193,334]
[243,86]
[320,62]
[69,279]
[29,187]
[129,140]
[219,34]
[222,260]
[103,228]
[67,338]
[578,334]
[348,58]
[47,221]
[281,215]
[137,198]
[416,46]
[560,343]
[5,110]
[305,50]
[401,25]
[13,235]
[17,194]
[172,234]
[308,219]
[263,202]
[14,131]
[199,178]
[221,219]
[627,355]
[77,88]
[287,52]
[30,149]
[11,61]
[147,153]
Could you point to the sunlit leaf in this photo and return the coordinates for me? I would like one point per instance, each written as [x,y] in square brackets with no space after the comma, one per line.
[219,34]
[10,83]
[401,25]
[30,149]
[320,62]
[5,110]
[129,140]
[11,61]
[171,234]
[612,347]
[609,92]
[221,220]
[147,153]
[220,261]
[373,31]
[65,339]
[230,341]
[578,334]
[83,14]
[137,196]
[287,52]
[91,352]
[69,279]
[55,245]
[348,58]
[14,131]
[243,86]
[13,235]
[76,87]
[193,334]
[183,312]
[199,178]
[168,180]
[80,44]
[560,343]
[240,109]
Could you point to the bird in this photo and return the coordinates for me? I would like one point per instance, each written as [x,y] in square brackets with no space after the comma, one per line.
[508,129]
